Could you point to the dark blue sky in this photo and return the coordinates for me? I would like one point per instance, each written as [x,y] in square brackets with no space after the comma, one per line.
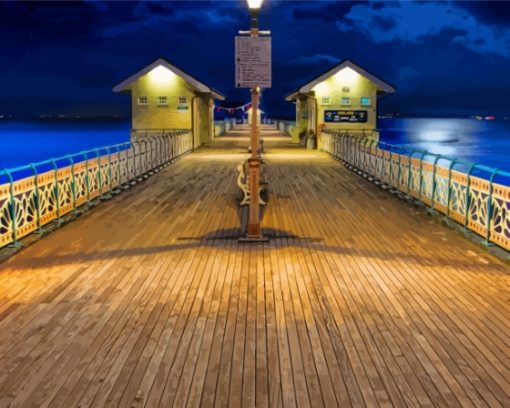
[443,57]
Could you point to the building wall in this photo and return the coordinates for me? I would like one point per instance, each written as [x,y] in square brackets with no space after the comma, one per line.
[206,131]
[334,88]
[154,116]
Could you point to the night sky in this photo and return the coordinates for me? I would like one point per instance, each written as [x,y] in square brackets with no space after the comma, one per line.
[445,58]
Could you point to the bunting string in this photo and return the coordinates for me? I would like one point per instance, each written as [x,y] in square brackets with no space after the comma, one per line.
[244,108]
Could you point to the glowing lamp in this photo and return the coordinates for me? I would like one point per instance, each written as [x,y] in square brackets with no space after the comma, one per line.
[161,75]
[346,75]
[254,4]
[321,89]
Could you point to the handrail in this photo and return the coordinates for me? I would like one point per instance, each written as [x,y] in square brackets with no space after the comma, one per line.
[474,198]
[32,195]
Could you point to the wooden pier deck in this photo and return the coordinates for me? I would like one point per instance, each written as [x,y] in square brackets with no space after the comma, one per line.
[358,299]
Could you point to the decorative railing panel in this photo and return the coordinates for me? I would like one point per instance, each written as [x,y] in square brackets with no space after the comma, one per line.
[469,198]
[37,194]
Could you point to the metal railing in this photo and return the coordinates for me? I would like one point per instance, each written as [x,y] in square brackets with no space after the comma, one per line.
[286,127]
[476,196]
[34,195]
[223,126]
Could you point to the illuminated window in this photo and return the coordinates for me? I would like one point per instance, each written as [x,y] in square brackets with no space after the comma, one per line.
[346,100]
[346,89]
[162,100]
[143,100]
[325,100]
[365,101]
[183,104]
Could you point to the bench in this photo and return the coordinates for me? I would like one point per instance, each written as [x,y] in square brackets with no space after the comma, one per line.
[243,181]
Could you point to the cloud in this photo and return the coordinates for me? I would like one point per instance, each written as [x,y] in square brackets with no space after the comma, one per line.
[315,59]
[326,11]
[414,23]
[408,71]
[167,15]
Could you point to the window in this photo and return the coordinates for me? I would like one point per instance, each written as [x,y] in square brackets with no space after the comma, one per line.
[364,101]
[325,100]
[182,104]
[143,100]
[346,89]
[346,100]
[162,100]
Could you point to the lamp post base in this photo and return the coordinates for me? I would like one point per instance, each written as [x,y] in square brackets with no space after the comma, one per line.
[253,238]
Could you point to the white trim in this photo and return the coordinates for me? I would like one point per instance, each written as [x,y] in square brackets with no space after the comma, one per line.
[195,84]
[305,89]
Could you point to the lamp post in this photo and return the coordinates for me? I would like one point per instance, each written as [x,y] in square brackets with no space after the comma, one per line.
[254,231]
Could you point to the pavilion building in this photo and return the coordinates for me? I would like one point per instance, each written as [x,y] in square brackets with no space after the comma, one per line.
[343,98]
[165,97]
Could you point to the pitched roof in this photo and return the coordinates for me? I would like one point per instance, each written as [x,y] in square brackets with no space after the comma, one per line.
[383,86]
[195,83]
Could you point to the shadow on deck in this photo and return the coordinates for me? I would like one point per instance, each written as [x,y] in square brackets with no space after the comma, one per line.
[358,299]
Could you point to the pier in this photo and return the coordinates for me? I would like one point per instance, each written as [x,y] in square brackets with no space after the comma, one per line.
[358,299]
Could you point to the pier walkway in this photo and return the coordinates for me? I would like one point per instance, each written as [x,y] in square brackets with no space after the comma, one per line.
[358,299]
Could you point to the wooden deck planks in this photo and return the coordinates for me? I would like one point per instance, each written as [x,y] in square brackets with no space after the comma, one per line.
[358,299]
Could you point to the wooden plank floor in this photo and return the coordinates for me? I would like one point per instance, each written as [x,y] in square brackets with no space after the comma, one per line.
[150,300]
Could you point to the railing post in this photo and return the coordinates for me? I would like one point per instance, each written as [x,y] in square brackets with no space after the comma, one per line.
[99,176]
[373,158]
[73,182]
[489,209]
[468,197]
[421,173]
[127,147]
[450,169]
[37,198]
[12,210]
[390,180]
[87,184]
[119,174]
[399,170]
[410,171]
[56,190]
[366,157]
[109,168]
[434,184]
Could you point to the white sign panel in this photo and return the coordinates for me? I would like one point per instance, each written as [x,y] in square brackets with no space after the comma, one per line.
[253,62]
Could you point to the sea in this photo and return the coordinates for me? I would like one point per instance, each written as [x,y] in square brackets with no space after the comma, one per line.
[480,141]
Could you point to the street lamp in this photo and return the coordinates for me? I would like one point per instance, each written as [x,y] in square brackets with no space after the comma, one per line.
[254,6]
[254,232]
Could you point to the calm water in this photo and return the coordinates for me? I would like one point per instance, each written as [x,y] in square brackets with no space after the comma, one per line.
[29,142]
[485,142]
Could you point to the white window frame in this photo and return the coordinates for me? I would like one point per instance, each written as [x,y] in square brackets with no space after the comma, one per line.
[343,103]
[325,100]
[145,99]
[182,101]
[162,100]
[365,104]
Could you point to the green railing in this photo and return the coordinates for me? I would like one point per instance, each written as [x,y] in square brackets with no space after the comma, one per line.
[286,127]
[34,195]
[476,196]
[223,126]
